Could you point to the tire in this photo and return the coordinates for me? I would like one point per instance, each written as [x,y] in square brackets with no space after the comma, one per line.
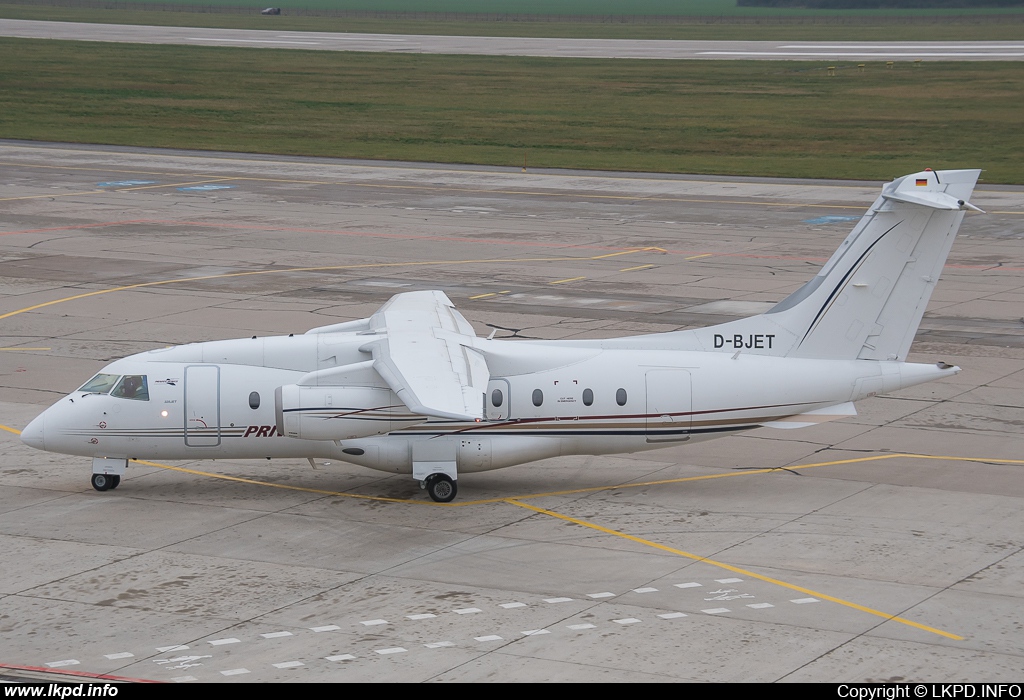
[441,488]
[115,481]
[102,482]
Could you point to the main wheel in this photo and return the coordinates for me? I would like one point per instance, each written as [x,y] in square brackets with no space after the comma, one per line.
[115,481]
[102,482]
[441,488]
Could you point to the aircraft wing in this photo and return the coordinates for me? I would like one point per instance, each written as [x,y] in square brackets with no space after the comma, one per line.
[426,355]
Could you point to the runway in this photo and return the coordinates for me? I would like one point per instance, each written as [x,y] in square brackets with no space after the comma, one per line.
[517,46]
[881,547]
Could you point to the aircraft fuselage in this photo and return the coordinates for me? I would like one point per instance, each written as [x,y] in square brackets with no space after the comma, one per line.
[221,400]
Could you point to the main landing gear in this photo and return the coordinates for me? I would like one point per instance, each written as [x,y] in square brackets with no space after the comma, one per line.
[435,466]
[105,482]
[440,487]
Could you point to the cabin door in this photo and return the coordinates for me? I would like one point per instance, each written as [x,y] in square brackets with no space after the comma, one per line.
[668,405]
[202,405]
[498,400]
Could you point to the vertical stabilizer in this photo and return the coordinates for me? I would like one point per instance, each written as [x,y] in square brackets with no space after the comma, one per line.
[868,299]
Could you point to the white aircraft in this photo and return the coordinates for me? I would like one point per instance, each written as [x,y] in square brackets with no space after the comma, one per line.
[413,390]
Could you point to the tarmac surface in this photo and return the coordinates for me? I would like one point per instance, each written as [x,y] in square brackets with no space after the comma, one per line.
[882,547]
[519,46]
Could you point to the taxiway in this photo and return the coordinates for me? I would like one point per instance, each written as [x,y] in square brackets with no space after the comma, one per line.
[879,547]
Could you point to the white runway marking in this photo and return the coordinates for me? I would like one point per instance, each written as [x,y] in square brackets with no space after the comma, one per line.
[354,37]
[893,47]
[865,54]
[255,41]
[182,661]
[577,627]
[65,662]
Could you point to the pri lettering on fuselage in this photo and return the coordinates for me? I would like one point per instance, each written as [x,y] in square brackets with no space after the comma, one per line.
[263,431]
[749,341]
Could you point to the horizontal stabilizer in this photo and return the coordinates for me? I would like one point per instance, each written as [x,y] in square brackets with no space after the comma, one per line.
[935,200]
[926,191]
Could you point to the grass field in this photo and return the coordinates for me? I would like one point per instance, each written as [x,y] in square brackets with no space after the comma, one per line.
[974,27]
[729,117]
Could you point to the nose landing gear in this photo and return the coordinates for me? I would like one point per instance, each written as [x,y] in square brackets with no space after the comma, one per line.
[107,472]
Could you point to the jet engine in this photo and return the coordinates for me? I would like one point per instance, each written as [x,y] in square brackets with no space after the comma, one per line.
[340,412]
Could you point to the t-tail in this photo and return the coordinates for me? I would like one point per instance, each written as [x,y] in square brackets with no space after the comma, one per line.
[867,301]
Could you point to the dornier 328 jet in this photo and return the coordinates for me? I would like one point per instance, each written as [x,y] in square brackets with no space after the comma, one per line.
[413,390]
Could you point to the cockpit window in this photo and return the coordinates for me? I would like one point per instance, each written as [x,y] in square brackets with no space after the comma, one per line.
[132,386]
[100,384]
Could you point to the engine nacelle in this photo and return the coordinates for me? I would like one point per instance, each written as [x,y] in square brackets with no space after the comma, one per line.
[340,412]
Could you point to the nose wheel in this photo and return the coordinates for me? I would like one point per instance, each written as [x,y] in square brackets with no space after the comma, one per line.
[105,482]
[441,488]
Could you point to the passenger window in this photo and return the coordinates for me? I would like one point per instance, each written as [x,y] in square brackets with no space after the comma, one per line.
[254,400]
[538,397]
[132,386]
[100,384]
[496,398]
[620,397]
[588,397]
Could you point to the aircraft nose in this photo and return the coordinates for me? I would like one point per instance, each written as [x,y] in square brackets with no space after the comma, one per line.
[33,435]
